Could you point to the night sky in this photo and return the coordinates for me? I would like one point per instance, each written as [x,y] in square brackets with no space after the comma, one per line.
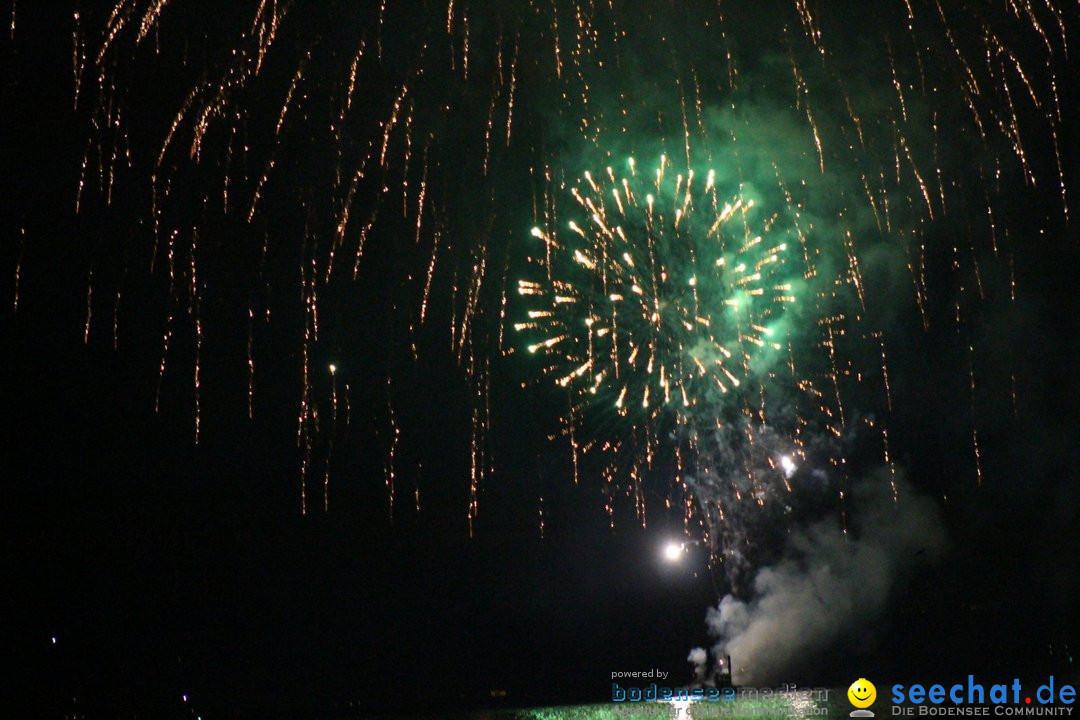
[140,567]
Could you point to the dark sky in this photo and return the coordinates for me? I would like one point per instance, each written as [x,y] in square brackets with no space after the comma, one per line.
[163,568]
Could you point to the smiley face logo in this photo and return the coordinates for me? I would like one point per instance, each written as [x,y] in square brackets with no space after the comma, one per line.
[862,694]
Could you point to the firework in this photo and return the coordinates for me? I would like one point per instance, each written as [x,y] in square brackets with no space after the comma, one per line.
[661,297]
[329,133]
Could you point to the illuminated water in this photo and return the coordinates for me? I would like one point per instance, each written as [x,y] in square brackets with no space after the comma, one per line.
[785,708]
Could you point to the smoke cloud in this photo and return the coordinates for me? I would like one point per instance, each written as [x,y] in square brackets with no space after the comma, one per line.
[827,583]
[699,658]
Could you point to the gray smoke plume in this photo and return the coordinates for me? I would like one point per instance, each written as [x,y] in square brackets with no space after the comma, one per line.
[699,659]
[827,583]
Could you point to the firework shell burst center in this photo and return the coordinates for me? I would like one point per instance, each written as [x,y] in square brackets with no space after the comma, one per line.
[661,299]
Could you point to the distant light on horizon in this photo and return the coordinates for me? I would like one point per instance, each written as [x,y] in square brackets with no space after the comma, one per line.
[673,551]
